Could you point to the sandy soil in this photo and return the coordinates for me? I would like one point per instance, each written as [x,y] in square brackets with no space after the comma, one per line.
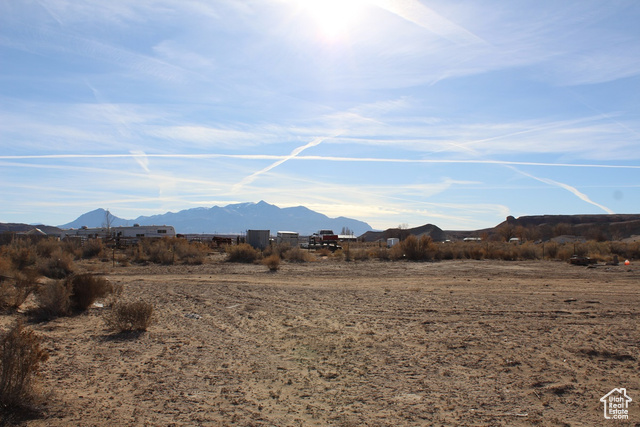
[351,344]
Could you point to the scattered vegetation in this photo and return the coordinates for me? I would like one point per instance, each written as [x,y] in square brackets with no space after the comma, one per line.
[168,251]
[20,360]
[130,316]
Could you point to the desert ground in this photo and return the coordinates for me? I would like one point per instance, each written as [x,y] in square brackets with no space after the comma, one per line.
[372,343]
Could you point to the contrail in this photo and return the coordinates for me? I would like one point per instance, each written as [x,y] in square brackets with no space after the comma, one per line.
[417,13]
[281,158]
[567,187]
[249,179]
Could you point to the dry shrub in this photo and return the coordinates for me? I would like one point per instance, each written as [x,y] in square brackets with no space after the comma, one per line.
[58,266]
[475,250]
[22,256]
[272,262]
[565,252]
[92,248]
[193,253]
[278,249]
[138,255]
[551,250]
[54,299]
[528,251]
[72,246]
[159,252]
[446,251]
[297,254]
[86,289]
[130,316]
[323,252]
[46,247]
[381,253]
[15,291]
[167,251]
[414,249]
[242,253]
[361,254]
[6,267]
[19,366]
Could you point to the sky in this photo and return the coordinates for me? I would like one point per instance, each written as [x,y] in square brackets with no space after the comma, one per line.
[393,112]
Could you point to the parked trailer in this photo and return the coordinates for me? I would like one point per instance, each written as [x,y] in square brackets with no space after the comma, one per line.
[125,233]
[288,238]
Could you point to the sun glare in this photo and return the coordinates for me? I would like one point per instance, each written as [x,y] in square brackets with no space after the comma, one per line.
[333,18]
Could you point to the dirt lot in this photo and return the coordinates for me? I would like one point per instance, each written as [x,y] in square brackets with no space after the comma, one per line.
[350,344]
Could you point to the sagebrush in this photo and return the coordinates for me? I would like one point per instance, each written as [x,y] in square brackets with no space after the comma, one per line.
[130,316]
[86,289]
[20,360]
[272,262]
[242,253]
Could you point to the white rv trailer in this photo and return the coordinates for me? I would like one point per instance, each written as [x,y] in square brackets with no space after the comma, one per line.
[135,232]
[288,237]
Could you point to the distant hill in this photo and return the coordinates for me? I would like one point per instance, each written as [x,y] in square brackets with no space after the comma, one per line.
[232,219]
[537,227]
[592,227]
[24,228]
[97,218]
[429,230]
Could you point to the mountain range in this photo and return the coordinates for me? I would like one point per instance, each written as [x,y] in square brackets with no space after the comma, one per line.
[231,219]
[237,218]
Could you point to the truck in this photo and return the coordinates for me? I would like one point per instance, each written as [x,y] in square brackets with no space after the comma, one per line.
[324,239]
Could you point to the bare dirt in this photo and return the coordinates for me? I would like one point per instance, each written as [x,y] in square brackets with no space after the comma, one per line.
[352,343]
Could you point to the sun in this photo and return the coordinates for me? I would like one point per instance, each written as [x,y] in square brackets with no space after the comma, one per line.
[333,18]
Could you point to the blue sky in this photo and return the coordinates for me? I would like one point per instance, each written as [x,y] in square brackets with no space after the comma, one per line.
[455,113]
